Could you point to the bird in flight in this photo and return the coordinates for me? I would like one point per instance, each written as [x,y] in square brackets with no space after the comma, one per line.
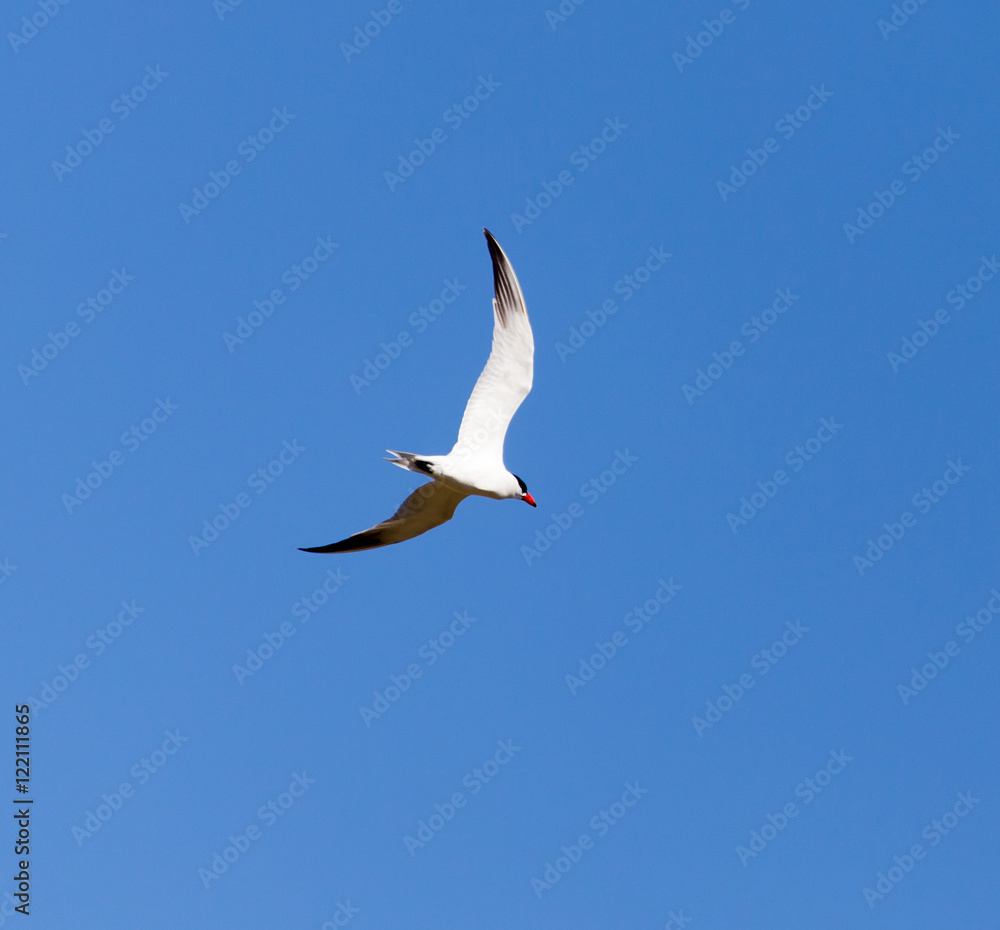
[475,463]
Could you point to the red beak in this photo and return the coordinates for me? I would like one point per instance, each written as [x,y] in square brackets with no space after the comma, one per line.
[529,500]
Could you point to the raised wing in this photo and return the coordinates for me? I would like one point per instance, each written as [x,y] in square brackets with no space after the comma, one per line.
[506,379]
[430,505]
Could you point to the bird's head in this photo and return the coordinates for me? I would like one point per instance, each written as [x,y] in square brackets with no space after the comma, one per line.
[524,495]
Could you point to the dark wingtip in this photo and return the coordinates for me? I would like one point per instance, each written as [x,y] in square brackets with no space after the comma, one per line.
[495,249]
[502,274]
[370,539]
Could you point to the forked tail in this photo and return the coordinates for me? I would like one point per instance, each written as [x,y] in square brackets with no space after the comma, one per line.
[410,462]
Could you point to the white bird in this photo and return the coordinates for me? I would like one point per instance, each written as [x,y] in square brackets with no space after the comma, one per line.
[475,463]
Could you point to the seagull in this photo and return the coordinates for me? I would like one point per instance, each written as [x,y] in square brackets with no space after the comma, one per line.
[475,463]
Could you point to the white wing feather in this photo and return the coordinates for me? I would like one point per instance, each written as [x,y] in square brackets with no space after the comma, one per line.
[506,379]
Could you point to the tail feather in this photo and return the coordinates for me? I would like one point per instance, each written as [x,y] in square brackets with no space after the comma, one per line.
[410,462]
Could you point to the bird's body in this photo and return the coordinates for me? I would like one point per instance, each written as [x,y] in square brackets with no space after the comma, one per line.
[465,476]
[475,463]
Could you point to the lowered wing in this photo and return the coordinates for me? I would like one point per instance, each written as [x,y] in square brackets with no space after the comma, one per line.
[428,506]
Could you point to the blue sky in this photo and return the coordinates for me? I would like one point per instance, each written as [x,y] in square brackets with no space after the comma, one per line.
[735,670]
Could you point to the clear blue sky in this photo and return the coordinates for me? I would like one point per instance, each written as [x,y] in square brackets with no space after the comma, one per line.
[243,254]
